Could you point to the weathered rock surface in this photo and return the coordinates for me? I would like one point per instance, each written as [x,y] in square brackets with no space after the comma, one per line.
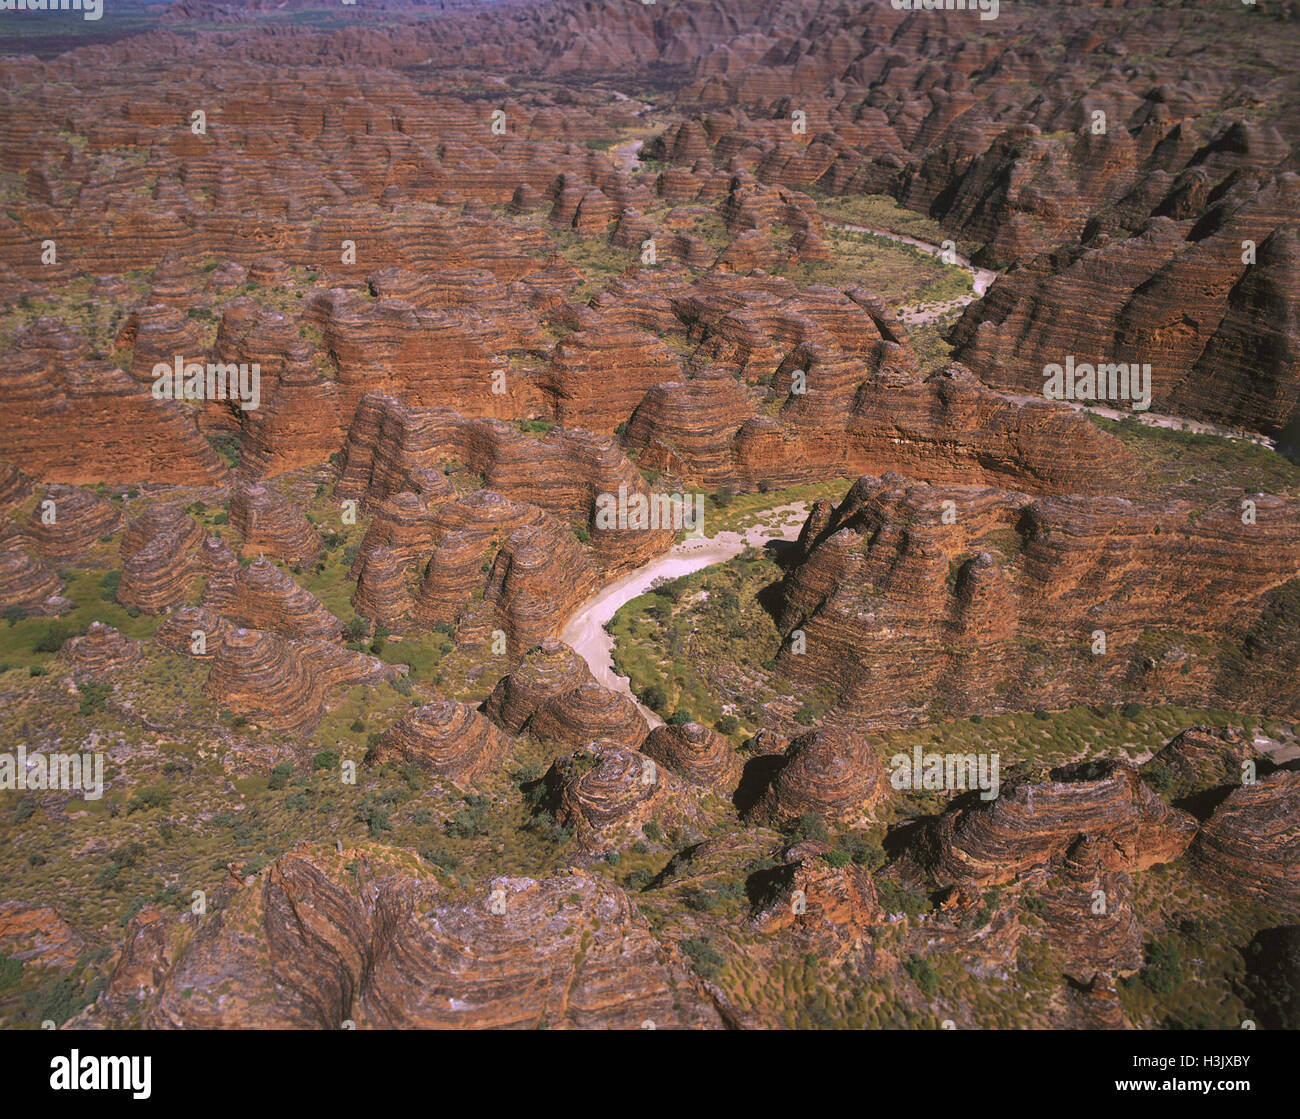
[447,739]
[832,772]
[1036,823]
[999,603]
[100,651]
[1252,843]
[273,526]
[699,754]
[323,937]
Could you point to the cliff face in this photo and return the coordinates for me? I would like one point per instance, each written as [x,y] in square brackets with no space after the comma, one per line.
[993,600]
[322,937]
[1035,823]
[1252,843]
[447,739]
[1218,330]
[65,417]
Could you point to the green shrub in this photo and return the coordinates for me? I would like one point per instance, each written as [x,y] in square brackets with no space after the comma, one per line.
[471,820]
[923,974]
[357,628]
[326,759]
[654,697]
[93,697]
[810,826]
[727,724]
[52,639]
[708,961]
[1164,967]
[898,899]
[443,860]
[280,776]
[10,970]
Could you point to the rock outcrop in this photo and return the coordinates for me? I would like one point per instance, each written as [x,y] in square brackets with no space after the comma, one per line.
[832,772]
[701,755]
[321,938]
[447,739]
[1034,823]
[1251,845]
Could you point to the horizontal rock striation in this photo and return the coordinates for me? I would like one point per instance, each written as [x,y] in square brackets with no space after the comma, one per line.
[67,418]
[447,739]
[102,650]
[697,753]
[28,585]
[324,937]
[270,524]
[286,684]
[164,552]
[1036,823]
[992,600]
[830,771]
[261,596]
[607,794]
[1251,845]
[67,524]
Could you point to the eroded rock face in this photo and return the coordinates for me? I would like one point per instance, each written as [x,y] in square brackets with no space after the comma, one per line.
[1089,916]
[586,712]
[363,935]
[830,771]
[606,794]
[28,585]
[699,754]
[271,525]
[1201,759]
[1034,823]
[826,907]
[164,551]
[101,651]
[550,670]
[895,599]
[1178,295]
[193,632]
[1252,843]
[36,934]
[68,522]
[65,418]
[479,562]
[447,739]
[286,683]
[392,447]
[261,596]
